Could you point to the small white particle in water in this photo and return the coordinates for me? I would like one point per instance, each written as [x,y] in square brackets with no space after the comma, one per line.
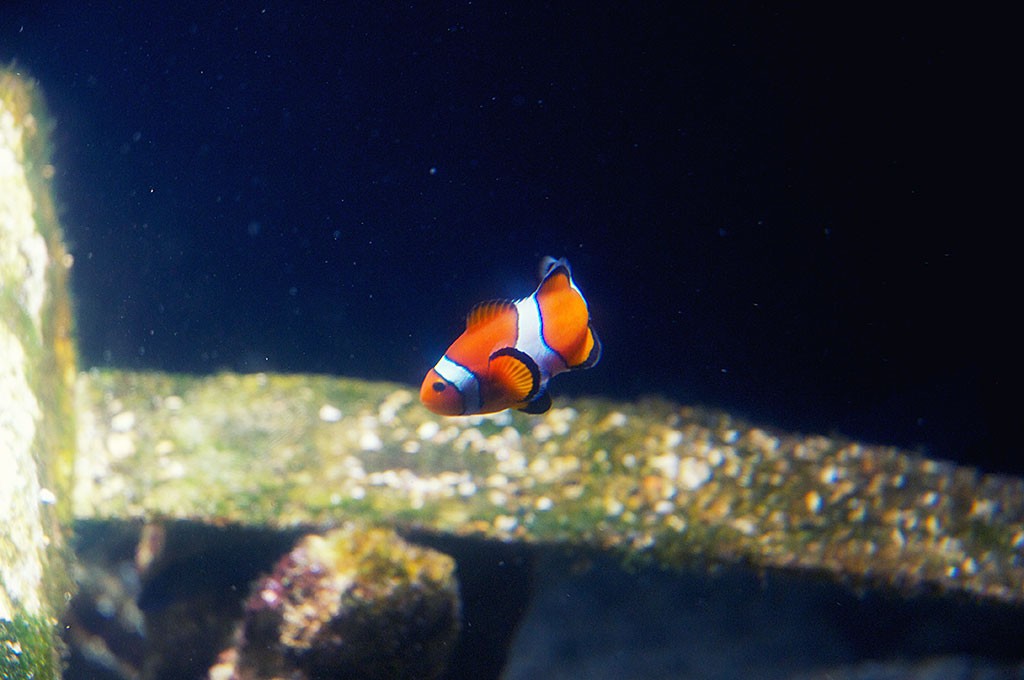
[173,403]
[542,432]
[411,446]
[105,606]
[675,522]
[495,480]
[357,492]
[330,414]
[664,507]
[269,596]
[428,429]
[829,474]
[744,525]
[693,473]
[505,523]
[466,488]
[613,507]
[544,503]
[501,418]
[123,421]
[47,497]
[667,465]
[981,508]
[120,445]
[370,441]
[559,419]
[613,419]
[896,536]
[392,404]
[175,470]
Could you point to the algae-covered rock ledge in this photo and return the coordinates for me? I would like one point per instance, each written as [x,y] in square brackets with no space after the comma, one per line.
[37,374]
[652,480]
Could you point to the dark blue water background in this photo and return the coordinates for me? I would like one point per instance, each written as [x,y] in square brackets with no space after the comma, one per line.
[793,214]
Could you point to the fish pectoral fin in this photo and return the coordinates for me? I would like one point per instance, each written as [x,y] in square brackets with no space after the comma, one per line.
[485,311]
[539,405]
[516,372]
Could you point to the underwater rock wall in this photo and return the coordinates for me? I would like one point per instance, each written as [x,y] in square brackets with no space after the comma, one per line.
[653,481]
[37,374]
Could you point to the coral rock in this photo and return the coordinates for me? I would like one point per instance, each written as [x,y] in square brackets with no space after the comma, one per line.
[352,603]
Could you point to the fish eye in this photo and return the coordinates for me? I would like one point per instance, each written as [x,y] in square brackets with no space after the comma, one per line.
[438,386]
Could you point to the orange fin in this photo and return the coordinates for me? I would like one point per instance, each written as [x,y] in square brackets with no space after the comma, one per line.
[485,311]
[515,371]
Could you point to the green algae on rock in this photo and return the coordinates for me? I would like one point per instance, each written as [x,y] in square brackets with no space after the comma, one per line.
[27,649]
[652,480]
[352,603]
[37,373]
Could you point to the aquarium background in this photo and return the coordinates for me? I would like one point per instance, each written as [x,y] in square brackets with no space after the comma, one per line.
[793,214]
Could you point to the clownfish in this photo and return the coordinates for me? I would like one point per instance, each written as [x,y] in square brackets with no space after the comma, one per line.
[512,348]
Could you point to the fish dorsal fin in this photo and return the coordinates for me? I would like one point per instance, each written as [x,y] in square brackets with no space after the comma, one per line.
[548,264]
[516,372]
[558,277]
[485,311]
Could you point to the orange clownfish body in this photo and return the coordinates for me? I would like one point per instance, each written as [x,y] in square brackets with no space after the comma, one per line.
[512,348]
